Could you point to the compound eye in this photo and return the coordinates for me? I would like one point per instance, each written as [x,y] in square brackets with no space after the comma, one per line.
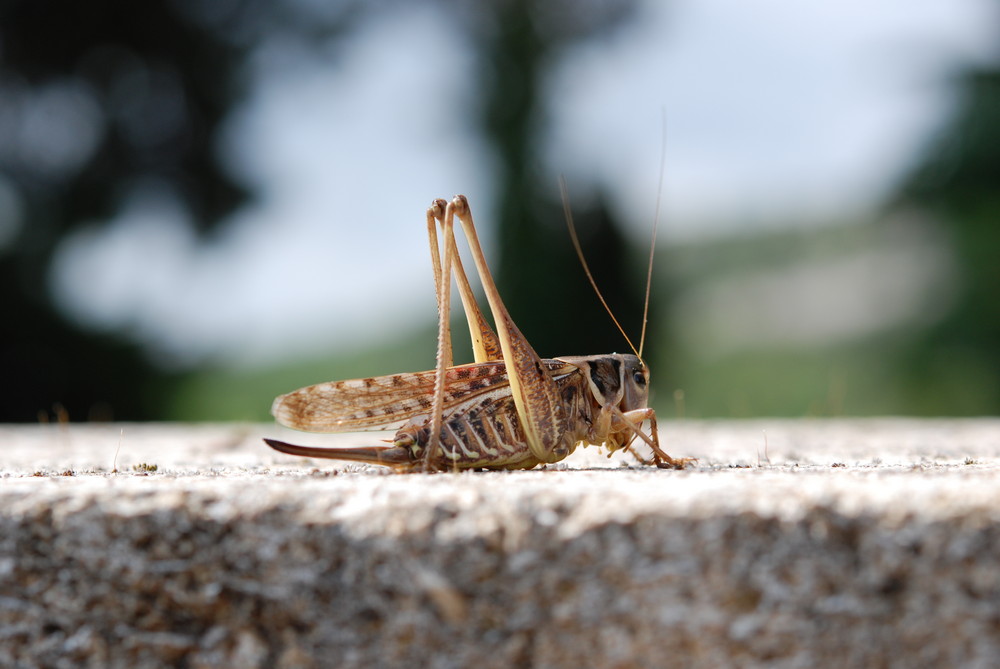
[639,378]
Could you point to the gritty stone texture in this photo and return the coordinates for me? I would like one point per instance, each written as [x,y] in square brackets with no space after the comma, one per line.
[840,543]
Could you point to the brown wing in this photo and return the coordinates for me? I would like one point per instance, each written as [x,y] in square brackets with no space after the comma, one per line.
[381,402]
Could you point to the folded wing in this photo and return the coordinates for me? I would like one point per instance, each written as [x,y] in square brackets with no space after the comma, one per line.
[384,402]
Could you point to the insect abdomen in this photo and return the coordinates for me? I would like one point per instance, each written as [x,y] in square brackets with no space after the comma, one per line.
[487,435]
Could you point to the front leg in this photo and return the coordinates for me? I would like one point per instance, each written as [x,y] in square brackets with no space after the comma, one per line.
[634,419]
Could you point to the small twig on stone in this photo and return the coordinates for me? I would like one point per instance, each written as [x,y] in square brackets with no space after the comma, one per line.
[766,458]
[114,464]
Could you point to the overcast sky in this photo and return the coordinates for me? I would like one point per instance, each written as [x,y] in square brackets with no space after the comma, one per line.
[775,111]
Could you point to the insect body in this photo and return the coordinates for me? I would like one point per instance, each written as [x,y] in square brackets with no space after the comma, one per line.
[509,410]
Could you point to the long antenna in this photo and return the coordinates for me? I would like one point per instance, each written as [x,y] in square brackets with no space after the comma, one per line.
[656,225]
[583,261]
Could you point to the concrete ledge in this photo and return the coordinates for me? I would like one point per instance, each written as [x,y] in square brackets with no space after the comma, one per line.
[851,543]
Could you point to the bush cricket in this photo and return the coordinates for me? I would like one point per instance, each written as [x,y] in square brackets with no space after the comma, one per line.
[510,409]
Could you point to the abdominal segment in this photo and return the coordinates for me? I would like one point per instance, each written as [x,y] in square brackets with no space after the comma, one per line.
[487,435]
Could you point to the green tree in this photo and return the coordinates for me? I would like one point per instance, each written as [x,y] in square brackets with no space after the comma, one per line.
[97,97]
[956,183]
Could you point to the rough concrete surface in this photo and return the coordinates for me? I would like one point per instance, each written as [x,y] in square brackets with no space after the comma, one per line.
[841,543]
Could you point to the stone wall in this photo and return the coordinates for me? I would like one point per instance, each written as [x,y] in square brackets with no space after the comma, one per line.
[842,543]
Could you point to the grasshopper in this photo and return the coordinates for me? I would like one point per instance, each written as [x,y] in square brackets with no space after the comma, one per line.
[510,409]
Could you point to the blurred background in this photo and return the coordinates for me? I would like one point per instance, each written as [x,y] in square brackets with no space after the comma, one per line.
[206,204]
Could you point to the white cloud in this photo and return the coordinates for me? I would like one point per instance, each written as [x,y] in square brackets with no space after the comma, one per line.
[773,109]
